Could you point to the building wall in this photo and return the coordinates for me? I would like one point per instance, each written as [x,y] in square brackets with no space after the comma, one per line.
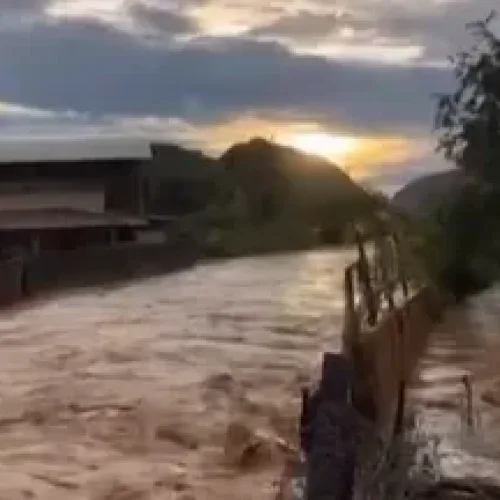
[83,183]
[151,236]
[124,189]
[113,186]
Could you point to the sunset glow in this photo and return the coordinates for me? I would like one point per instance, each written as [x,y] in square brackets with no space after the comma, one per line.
[333,147]
[359,154]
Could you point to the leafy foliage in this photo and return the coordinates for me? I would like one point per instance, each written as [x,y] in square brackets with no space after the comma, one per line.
[469,118]
[468,122]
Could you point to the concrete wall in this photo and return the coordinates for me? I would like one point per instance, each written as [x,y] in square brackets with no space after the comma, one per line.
[102,265]
[90,267]
[125,189]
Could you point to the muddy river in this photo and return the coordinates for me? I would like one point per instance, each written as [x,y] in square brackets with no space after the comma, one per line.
[131,393]
[128,393]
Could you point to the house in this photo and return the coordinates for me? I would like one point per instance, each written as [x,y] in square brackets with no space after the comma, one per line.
[65,199]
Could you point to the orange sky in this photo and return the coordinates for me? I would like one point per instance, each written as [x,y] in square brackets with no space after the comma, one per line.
[357,154]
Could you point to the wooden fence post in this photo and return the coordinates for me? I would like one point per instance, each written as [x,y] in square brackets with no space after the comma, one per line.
[351,325]
[469,403]
[365,281]
[401,266]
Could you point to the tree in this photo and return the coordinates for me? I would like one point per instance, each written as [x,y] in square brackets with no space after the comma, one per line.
[468,121]
[469,118]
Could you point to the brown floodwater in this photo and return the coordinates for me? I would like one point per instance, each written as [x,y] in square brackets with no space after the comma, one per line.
[128,393]
[147,391]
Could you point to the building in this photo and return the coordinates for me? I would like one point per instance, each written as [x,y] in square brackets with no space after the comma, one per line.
[63,201]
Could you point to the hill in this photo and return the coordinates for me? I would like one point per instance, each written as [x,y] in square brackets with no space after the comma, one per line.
[180,181]
[424,195]
[257,196]
[279,179]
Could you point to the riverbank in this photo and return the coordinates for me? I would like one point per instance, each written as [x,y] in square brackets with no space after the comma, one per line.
[465,344]
[283,234]
[451,449]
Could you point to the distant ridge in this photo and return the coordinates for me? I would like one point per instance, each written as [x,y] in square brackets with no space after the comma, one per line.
[423,195]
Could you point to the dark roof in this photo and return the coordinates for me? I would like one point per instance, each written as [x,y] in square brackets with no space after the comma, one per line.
[69,162]
[59,218]
[43,151]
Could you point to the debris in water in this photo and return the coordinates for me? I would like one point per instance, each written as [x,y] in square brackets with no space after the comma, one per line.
[244,448]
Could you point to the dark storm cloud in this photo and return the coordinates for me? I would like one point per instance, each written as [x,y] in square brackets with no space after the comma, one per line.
[92,67]
[161,20]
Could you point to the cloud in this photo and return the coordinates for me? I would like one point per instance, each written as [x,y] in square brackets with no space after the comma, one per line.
[229,17]
[17,111]
[15,13]
[303,25]
[439,27]
[391,178]
[21,122]
[312,26]
[154,68]
[92,67]
[165,21]
[433,29]
[23,5]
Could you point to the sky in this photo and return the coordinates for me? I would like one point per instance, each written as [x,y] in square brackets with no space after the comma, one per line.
[351,80]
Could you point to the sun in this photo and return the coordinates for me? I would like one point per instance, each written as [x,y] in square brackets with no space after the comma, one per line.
[333,147]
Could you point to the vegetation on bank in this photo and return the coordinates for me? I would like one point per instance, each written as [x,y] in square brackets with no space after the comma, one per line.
[257,197]
[460,241]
